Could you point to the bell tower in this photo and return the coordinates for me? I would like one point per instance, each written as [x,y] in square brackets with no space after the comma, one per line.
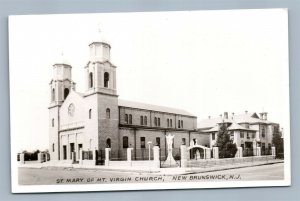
[61,84]
[59,87]
[100,72]
[101,96]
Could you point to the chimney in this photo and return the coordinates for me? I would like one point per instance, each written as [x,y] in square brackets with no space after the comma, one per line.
[266,116]
[232,115]
[261,116]
[225,115]
[246,111]
[209,117]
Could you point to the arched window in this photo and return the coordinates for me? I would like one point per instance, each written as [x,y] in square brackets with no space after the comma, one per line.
[171,123]
[178,123]
[145,120]
[155,121]
[91,80]
[52,122]
[90,113]
[126,118]
[158,121]
[181,123]
[130,119]
[53,147]
[108,143]
[141,120]
[53,94]
[168,123]
[125,142]
[66,93]
[107,113]
[106,79]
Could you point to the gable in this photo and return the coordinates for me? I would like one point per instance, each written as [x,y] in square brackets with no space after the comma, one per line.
[254,115]
[71,111]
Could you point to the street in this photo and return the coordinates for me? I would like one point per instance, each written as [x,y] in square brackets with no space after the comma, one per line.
[59,175]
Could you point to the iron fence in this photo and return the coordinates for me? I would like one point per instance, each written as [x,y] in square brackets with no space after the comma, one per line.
[100,157]
[208,163]
[117,154]
[87,155]
[162,154]
[280,156]
[248,152]
[143,154]
[266,151]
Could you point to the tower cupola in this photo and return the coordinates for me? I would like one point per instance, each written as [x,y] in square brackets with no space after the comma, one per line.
[100,72]
[61,83]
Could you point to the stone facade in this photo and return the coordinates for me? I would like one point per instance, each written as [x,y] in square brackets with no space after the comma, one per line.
[98,119]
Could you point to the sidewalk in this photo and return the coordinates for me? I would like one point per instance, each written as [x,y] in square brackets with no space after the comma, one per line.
[194,170]
[156,171]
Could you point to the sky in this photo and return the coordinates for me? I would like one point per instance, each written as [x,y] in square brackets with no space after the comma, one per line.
[205,62]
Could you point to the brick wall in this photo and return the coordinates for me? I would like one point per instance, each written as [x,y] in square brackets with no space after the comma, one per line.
[189,123]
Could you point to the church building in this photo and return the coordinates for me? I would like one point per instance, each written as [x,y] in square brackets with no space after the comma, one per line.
[96,118]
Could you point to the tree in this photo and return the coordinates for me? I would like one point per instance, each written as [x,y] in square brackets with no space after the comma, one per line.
[277,141]
[226,147]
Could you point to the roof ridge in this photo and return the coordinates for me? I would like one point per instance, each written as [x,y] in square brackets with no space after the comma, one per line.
[154,107]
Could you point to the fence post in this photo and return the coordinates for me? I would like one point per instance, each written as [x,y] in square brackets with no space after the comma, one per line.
[273,151]
[255,151]
[258,151]
[183,156]
[22,158]
[94,154]
[216,152]
[129,154]
[239,153]
[156,156]
[40,157]
[107,151]
[208,153]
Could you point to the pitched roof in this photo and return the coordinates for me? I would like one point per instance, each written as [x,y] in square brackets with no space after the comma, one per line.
[241,118]
[214,129]
[233,126]
[144,106]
